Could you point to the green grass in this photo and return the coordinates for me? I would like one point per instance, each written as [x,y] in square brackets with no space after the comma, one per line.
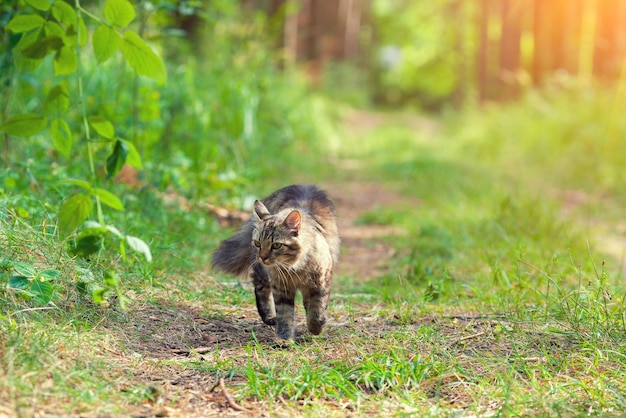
[500,299]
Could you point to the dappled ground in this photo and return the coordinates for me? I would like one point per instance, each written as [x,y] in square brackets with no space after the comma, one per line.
[194,347]
[183,332]
[171,353]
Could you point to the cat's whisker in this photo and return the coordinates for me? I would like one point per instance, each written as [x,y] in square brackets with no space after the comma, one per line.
[289,273]
[283,276]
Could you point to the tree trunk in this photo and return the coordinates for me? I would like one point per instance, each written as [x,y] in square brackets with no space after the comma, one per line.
[457,14]
[607,54]
[482,52]
[510,48]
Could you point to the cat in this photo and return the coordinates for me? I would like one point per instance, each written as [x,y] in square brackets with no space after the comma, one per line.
[290,243]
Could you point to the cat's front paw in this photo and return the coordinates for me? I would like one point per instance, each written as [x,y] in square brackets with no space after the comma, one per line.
[316,325]
[282,343]
[269,321]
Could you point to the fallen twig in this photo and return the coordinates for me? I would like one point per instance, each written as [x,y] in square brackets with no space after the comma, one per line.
[468,337]
[477,317]
[231,401]
[189,351]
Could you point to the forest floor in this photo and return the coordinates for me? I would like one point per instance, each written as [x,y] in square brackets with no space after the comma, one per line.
[155,341]
[467,327]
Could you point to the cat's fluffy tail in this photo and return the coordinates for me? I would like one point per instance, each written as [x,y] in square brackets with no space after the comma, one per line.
[234,255]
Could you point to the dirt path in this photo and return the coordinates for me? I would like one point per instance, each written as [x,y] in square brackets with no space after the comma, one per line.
[364,252]
[177,331]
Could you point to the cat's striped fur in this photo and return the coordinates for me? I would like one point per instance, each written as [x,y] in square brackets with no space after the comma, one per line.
[289,243]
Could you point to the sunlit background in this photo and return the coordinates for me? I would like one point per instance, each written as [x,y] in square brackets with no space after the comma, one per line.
[430,54]
[475,150]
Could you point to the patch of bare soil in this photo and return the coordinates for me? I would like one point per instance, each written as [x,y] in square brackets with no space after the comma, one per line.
[171,353]
[364,254]
[165,346]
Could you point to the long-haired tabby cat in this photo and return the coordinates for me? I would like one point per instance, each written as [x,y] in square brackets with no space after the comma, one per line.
[291,243]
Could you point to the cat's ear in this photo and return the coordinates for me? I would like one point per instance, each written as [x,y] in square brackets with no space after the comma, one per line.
[292,222]
[260,210]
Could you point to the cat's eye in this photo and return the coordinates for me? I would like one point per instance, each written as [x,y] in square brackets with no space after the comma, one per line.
[276,245]
[257,244]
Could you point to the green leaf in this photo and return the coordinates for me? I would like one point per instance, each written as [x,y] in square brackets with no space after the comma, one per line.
[140,246]
[114,231]
[102,126]
[24,125]
[42,5]
[84,274]
[22,213]
[65,61]
[71,34]
[53,28]
[5,265]
[87,245]
[43,47]
[73,213]
[142,58]
[41,291]
[119,12]
[19,282]
[58,99]
[64,13]
[98,295]
[116,160]
[92,225]
[109,199]
[122,250]
[133,158]
[25,23]
[49,274]
[83,32]
[23,63]
[80,183]
[24,269]
[110,279]
[106,42]
[61,136]
[91,228]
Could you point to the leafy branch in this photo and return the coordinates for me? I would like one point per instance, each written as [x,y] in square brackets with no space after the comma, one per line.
[57,29]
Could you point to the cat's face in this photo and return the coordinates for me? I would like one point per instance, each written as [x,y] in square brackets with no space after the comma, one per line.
[275,237]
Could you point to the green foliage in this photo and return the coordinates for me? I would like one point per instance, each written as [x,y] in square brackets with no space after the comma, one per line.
[73,213]
[414,63]
[550,134]
[58,29]
[119,13]
[143,60]
[23,125]
[384,371]
[78,110]
[29,283]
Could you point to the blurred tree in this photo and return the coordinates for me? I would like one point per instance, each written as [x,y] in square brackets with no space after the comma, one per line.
[609,40]
[437,47]
[483,49]
[511,21]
